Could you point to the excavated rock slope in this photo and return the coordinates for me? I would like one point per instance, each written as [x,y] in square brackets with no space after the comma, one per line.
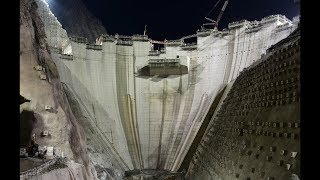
[256,132]
[76,19]
[64,131]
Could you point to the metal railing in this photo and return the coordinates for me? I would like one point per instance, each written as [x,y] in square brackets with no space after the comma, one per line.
[159,61]
[254,29]
[173,43]
[124,42]
[204,32]
[237,24]
[79,39]
[107,38]
[139,37]
[154,53]
[190,46]
[123,36]
[94,47]
[66,56]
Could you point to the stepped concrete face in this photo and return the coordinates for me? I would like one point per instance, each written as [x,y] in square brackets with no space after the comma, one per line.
[133,121]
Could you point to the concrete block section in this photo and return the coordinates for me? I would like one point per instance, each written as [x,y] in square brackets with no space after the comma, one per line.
[47,107]
[43,77]
[38,68]
[44,133]
[49,153]
[294,154]
[288,166]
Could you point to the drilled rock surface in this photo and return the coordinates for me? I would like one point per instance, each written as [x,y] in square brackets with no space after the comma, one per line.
[42,88]
[256,132]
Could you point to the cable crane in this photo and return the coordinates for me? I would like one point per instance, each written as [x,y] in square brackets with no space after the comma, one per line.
[215,23]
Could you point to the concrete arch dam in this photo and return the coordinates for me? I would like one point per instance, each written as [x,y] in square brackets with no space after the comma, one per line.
[135,121]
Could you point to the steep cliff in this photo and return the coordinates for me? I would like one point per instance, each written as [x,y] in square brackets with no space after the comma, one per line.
[255,134]
[42,88]
[76,19]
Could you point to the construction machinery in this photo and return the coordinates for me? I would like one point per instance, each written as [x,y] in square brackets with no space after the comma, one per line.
[212,22]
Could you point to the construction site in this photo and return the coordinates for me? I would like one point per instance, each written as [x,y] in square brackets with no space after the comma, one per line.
[216,104]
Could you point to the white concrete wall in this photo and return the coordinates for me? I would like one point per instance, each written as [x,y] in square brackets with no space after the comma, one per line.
[141,51]
[151,122]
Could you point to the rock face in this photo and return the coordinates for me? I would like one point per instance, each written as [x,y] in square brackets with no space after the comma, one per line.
[41,88]
[255,134]
[76,19]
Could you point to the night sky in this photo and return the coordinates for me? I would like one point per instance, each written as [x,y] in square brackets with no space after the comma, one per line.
[172,19]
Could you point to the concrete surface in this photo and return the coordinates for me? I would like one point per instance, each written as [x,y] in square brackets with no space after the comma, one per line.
[134,122]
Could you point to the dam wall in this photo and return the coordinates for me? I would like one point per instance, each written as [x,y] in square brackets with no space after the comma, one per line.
[149,122]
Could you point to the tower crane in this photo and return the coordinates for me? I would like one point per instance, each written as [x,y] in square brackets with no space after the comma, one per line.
[215,23]
[212,22]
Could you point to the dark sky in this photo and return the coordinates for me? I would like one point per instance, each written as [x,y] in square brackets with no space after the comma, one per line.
[173,19]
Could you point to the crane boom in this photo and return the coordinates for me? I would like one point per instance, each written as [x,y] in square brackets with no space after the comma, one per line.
[216,22]
[222,11]
[210,20]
